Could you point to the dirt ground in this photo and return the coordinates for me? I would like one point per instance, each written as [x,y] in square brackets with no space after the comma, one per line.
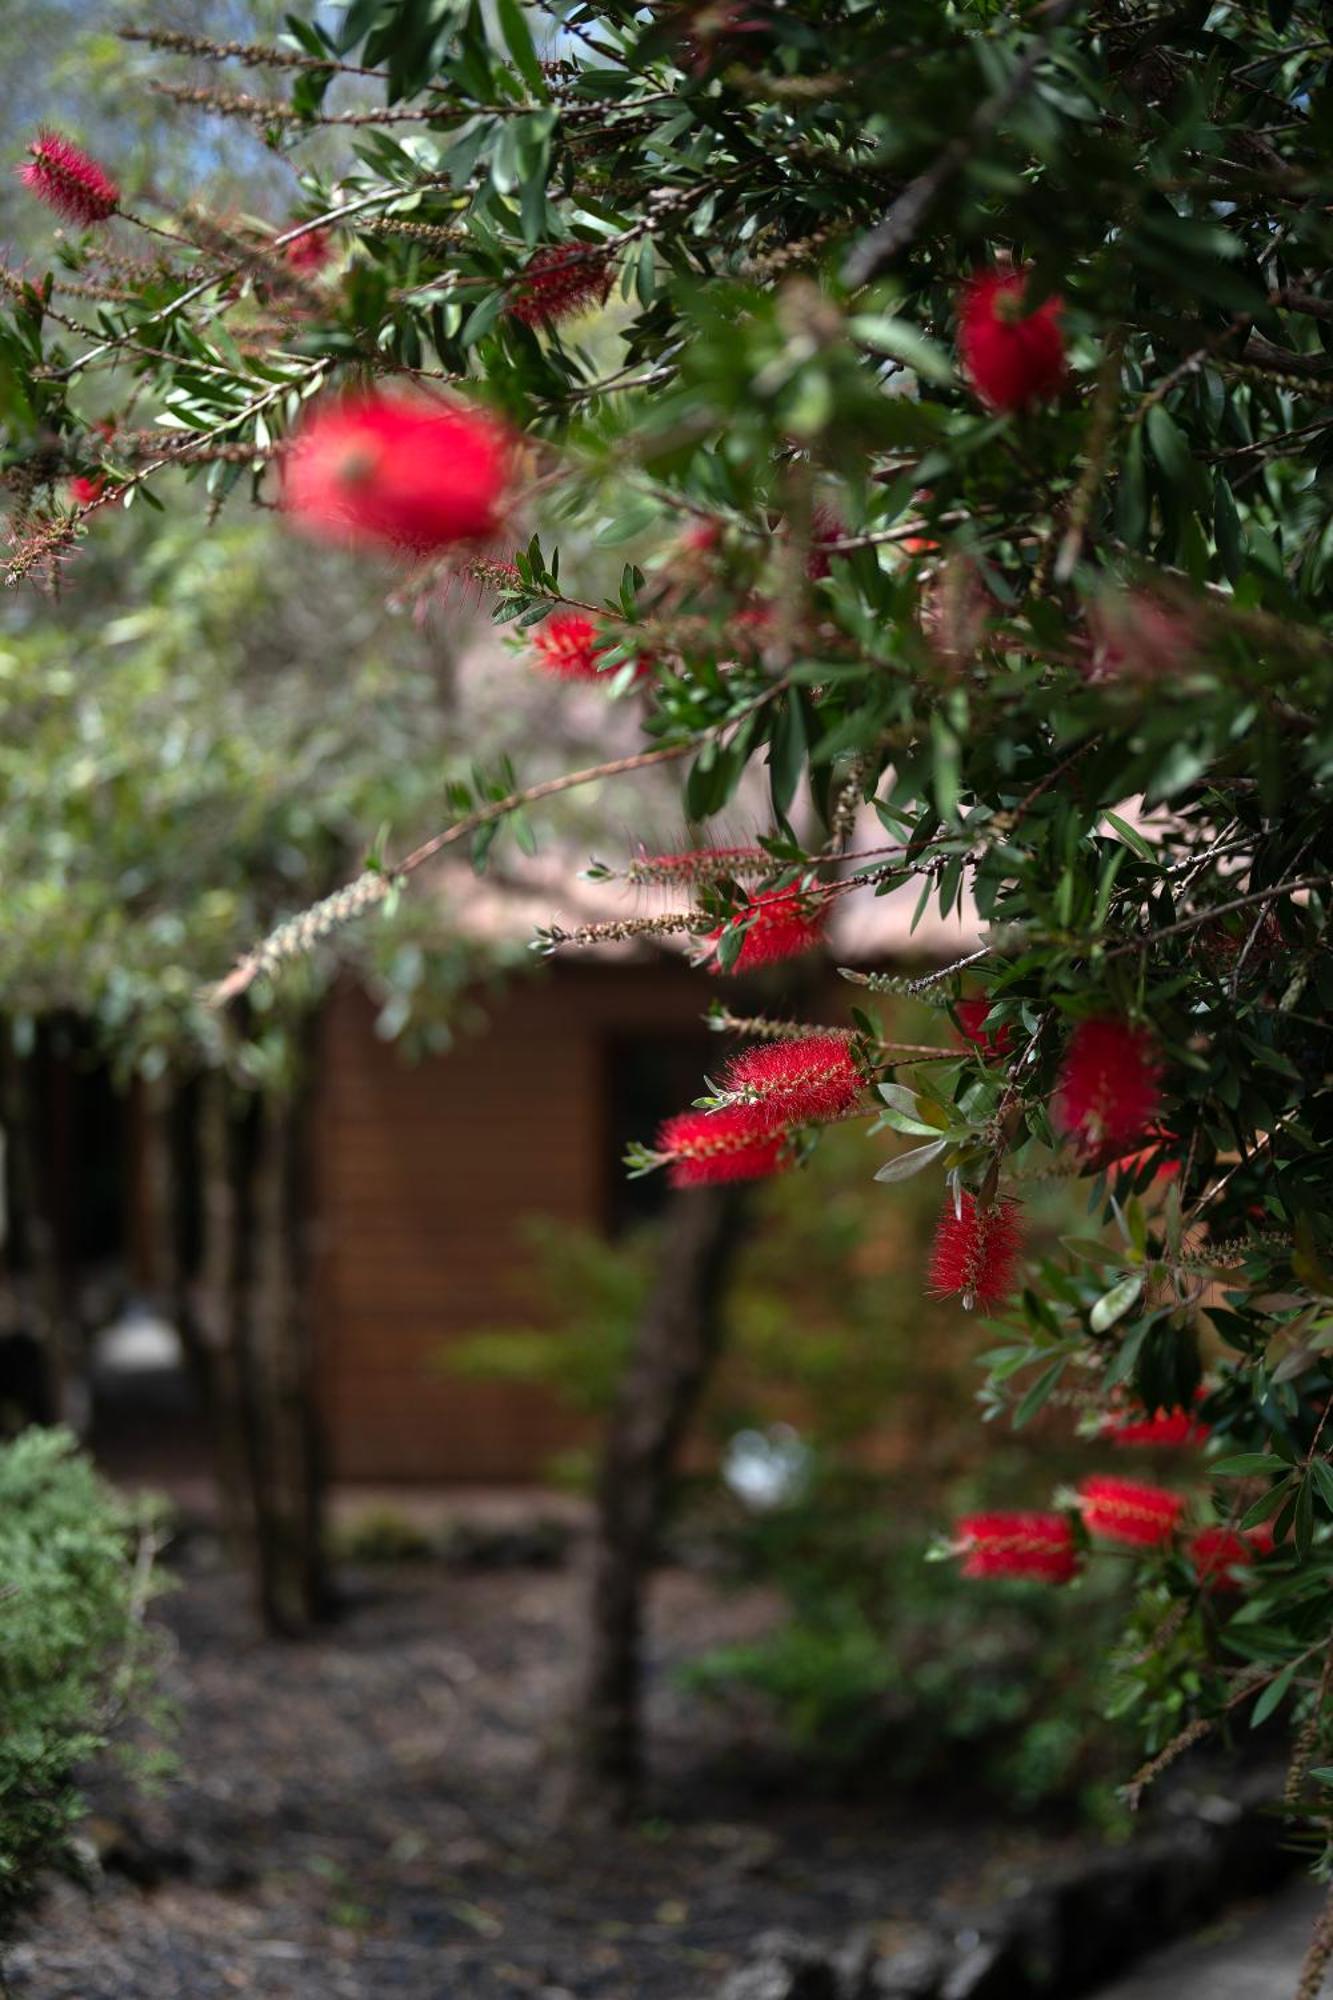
[375,1813]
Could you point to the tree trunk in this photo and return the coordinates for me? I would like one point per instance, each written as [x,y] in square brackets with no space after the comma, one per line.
[676,1344]
[37,1244]
[293,1593]
[253,1332]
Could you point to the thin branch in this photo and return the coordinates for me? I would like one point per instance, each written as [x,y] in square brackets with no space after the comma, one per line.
[300,934]
[1221,910]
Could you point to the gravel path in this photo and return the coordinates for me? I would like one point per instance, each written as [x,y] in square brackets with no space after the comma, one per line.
[370,1814]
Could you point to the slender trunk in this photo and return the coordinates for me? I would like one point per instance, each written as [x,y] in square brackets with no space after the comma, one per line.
[35,1238]
[676,1344]
[291,1576]
[253,1330]
[214,1312]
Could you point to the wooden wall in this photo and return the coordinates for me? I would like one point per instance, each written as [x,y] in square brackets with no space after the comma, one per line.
[425,1174]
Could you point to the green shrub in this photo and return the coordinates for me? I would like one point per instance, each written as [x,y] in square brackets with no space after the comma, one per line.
[75,1657]
[898,1670]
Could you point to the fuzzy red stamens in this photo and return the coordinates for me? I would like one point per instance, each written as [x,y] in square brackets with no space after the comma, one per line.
[560,281]
[1216,1553]
[309,253]
[779,923]
[1110,1085]
[1037,1546]
[737,1144]
[797,1082]
[1125,1511]
[405,472]
[975,1252]
[971,1016]
[700,864]
[1168,1428]
[69,180]
[1012,360]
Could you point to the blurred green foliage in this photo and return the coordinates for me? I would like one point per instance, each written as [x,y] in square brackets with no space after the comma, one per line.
[76,1575]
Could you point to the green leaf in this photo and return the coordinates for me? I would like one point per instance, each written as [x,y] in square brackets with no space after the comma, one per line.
[1169,448]
[1038,1393]
[911,1162]
[1113,1305]
[1131,836]
[902,341]
[1273,1695]
[787,754]
[518,40]
[1246,1463]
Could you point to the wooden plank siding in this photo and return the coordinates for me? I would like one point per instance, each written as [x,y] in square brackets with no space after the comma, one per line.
[425,1174]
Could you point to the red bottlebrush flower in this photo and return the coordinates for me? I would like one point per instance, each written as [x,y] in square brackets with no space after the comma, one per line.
[406,472]
[1138,637]
[825,526]
[796,1082]
[1011,359]
[700,864]
[1110,1085]
[1123,1510]
[309,253]
[1169,1428]
[1216,1553]
[751,628]
[68,180]
[779,923]
[567,645]
[1039,1546]
[975,1253]
[702,536]
[971,1016]
[560,281]
[920,545]
[736,1144]
[86,490]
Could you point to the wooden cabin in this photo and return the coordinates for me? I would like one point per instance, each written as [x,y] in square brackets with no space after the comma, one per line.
[427,1172]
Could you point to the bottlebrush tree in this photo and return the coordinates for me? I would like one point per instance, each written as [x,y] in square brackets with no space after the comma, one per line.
[959,376]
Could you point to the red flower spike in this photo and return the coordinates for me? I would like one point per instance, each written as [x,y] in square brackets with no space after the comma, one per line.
[797,1082]
[309,253]
[1038,1546]
[779,923]
[86,491]
[920,545]
[566,647]
[1169,1428]
[68,180]
[1110,1085]
[403,472]
[737,1144]
[1125,1511]
[1216,1553]
[1138,637]
[975,1253]
[826,526]
[559,282]
[700,864]
[1012,360]
[971,1016]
